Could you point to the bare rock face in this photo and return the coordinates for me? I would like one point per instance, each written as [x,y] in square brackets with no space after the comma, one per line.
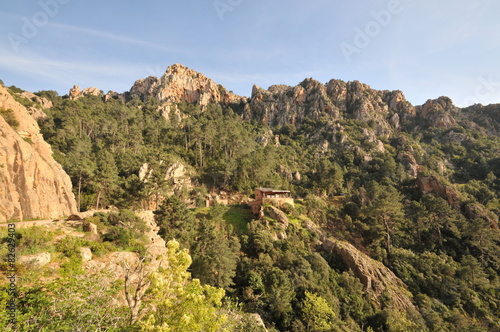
[36,260]
[36,113]
[177,175]
[478,211]
[86,254]
[439,112]
[75,93]
[483,117]
[114,95]
[279,216]
[157,247]
[93,91]
[181,84]
[283,105]
[375,276]
[44,102]
[430,184]
[32,183]
[90,227]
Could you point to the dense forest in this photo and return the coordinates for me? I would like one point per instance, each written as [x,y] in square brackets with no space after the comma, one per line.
[421,199]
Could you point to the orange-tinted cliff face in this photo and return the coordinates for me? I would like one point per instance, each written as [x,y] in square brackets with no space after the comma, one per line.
[32,183]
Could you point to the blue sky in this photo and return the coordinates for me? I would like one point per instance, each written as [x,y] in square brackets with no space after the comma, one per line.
[424,48]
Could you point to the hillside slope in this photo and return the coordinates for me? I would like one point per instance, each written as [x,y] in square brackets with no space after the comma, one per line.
[394,226]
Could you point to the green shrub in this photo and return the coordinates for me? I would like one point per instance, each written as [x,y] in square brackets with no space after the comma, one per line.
[9,117]
[15,89]
[72,267]
[120,236]
[101,248]
[28,140]
[290,210]
[33,239]
[70,247]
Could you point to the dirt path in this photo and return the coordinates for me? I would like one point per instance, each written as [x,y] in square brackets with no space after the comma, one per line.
[54,221]
[21,224]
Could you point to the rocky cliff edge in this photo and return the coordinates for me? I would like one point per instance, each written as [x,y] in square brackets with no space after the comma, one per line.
[32,183]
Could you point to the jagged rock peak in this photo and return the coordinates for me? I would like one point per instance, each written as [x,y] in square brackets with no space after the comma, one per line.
[181,84]
[281,104]
[75,93]
[440,112]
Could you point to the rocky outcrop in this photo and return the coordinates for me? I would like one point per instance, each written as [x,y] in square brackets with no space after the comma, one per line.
[32,183]
[177,176]
[90,227]
[181,84]
[281,105]
[43,102]
[375,276]
[430,184]
[483,117]
[157,247]
[113,95]
[36,260]
[440,112]
[75,93]
[377,279]
[86,254]
[278,215]
[475,211]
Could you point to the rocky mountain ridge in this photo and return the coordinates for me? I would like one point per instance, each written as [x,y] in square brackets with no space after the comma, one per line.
[281,105]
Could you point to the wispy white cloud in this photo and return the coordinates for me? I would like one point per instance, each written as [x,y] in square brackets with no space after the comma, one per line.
[63,74]
[105,35]
[119,38]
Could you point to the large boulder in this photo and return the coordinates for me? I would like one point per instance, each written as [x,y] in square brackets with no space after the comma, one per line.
[86,254]
[36,260]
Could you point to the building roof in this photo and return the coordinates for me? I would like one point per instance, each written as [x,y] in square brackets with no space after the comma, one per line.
[271,190]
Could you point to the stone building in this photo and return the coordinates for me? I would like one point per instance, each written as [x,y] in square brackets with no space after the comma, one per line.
[271,196]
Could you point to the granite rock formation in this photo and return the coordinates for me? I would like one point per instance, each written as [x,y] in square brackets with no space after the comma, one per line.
[181,84]
[32,183]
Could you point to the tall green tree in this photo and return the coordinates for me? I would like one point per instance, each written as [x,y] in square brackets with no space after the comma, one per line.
[440,216]
[386,212]
[176,221]
[215,254]
[106,178]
